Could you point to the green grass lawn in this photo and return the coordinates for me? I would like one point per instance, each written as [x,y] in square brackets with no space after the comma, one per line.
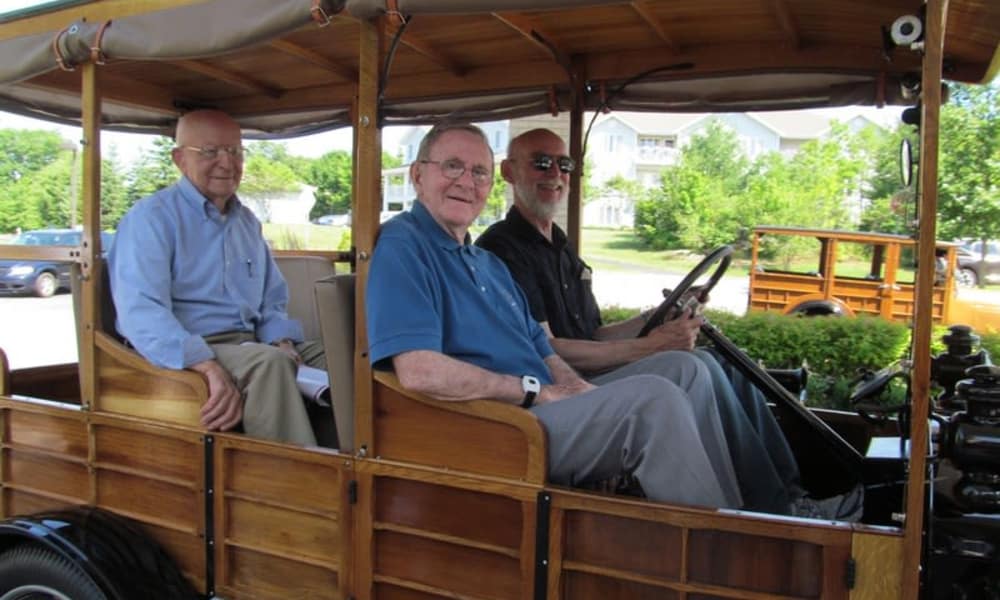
[622,249]
[307,236]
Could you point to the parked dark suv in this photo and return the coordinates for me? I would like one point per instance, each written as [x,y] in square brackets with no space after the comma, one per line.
[41,277]
[973,269]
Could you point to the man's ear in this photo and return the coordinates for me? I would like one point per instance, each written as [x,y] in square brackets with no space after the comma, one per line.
[415,174]
[175,155]
[507,170]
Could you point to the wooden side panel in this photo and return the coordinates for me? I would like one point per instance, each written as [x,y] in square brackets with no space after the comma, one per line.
[610,548]
[154,476]
[433,540]
[879,559]
[762,564]
[44,458]
[407,430]
[282,521]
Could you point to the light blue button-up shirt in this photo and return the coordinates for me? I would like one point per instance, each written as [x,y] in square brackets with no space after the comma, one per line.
[181,270]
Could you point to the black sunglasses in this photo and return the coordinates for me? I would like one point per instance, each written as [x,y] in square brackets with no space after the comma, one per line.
[543,162]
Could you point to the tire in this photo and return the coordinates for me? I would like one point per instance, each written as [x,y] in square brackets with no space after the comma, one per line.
[967,278]
[817,309]
[33,572]
[46,285]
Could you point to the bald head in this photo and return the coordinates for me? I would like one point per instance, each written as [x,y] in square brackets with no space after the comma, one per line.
[209,154]
[537,193]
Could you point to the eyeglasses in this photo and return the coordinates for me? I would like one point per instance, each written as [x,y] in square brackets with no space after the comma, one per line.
[453,168]
[544,162]
[212,152]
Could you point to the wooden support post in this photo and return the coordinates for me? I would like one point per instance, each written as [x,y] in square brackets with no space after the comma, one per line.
[367,205]
[576,179]
[90,267]
[920,381]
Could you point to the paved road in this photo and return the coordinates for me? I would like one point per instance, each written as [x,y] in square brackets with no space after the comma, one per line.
[39,331]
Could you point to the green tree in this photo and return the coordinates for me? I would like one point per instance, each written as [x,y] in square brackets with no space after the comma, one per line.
[23,153]
[694,206]
[969,168]
[496,202]
[26,151]
[153,171]
[331,174]
[262,176]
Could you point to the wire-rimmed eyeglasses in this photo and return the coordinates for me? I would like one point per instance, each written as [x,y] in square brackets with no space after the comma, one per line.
[453,168]
[213,152]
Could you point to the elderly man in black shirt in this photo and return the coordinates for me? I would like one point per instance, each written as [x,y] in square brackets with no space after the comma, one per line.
[557,284]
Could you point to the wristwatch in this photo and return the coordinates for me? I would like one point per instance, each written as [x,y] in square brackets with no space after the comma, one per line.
[531,387]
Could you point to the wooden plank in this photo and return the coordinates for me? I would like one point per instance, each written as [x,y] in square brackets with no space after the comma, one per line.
[463,514]
[456,569]
[922,330]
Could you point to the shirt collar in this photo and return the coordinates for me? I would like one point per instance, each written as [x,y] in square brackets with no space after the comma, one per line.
[437,233]
[200,204]
[526,229]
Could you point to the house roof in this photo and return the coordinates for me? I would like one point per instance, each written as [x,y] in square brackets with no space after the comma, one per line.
[787,124]
[653,123]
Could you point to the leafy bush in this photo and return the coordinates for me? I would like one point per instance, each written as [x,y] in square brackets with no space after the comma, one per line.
[835,350]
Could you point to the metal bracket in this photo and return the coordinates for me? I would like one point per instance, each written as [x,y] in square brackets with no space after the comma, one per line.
[543,508]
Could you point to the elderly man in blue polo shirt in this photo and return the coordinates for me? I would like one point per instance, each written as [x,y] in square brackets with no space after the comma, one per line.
[195,287]
[448,317]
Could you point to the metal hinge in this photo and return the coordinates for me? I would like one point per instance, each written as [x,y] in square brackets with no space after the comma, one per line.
[352,492]
[851,573]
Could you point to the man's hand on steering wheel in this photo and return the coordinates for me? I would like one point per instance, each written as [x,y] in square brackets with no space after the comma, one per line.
[679,333]
[673,300]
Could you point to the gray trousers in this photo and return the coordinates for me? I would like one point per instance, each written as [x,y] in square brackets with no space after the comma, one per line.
[272,405]
[667,435]
[765,467]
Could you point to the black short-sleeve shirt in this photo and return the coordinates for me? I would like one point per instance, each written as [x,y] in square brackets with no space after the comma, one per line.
[555,279]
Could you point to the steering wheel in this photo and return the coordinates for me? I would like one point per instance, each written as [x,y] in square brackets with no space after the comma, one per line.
[721,255]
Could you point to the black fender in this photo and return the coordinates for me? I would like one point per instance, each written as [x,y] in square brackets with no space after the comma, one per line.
[122,560]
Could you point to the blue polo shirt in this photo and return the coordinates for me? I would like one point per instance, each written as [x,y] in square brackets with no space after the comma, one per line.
[428,292]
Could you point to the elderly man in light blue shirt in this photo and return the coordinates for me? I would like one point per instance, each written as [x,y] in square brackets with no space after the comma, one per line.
[195,287]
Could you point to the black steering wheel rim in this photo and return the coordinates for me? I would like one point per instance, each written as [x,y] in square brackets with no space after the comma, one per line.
[721,255]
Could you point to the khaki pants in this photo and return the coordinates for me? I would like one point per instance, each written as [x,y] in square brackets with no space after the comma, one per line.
[273,407]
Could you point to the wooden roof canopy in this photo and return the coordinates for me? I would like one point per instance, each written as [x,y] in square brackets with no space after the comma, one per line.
[280,72]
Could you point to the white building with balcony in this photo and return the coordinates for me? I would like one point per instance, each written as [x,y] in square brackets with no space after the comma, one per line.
[633,145]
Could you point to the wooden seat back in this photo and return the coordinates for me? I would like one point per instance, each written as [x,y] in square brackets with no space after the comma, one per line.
[334,297]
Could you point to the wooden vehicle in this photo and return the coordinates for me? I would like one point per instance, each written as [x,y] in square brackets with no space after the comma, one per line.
[827,285]
[427,499]
[828,280]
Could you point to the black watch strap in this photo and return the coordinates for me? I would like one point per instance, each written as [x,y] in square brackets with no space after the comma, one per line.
[531,387]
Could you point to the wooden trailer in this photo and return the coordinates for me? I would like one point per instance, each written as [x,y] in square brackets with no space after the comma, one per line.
[108,479]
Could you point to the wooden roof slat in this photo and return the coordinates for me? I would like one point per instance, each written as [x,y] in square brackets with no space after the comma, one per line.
[426,49]
[531,31]
[787,21]
[204,68]
[315,58]
[642,8]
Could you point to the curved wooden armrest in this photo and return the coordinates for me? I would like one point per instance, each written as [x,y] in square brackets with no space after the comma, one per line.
[480,436]
[129,384]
